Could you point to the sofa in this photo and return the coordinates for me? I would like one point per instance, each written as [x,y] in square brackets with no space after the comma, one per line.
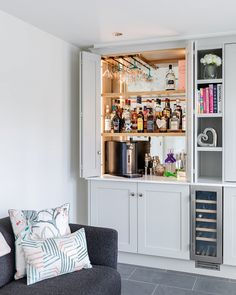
[102,279]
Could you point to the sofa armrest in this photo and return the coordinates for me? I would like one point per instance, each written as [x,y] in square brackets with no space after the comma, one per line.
[102,244]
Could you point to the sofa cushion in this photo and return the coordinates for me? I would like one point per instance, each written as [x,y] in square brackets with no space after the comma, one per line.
[7,262]
[43,224]
[4,247]
[56,256]
[99,280]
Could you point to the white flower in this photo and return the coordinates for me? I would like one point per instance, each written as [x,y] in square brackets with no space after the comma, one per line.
[211,59]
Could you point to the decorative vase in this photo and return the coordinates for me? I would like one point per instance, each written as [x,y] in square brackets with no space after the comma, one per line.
[210,71]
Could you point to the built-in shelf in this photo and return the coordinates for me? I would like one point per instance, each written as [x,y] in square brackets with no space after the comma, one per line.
[208,180]
[164,93]
[209,149]
[144,134]
[210,81]
[211,115]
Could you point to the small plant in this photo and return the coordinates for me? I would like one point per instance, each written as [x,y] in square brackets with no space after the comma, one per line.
[211,59]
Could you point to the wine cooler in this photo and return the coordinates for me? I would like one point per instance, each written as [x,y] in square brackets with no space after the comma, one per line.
[206,228]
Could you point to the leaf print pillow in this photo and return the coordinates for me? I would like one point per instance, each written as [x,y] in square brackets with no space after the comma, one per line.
[37,225]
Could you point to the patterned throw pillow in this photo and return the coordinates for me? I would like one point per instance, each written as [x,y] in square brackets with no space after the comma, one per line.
[42,224]
[56,256]
[4,247]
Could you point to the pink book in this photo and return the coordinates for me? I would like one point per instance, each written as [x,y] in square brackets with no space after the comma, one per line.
[207,100]
[204,101]
[211,99]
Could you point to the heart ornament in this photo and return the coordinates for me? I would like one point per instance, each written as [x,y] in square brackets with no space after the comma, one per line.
[203,138]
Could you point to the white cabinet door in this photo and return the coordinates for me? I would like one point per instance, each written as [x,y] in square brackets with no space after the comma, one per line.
[229,244]
[114,204]
[90,111]
[230,118]
[163,220]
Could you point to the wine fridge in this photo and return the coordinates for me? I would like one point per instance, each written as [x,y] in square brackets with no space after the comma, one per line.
[206,227]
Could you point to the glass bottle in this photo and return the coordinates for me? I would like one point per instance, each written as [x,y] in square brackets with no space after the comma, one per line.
[174,121]
[170,163]
[116,123]
[145,114]
[184,121]
[179,112]
[167,110]
[150,121]
[134,119]
[107,120]
[170,79]
[140,121]
[127,116]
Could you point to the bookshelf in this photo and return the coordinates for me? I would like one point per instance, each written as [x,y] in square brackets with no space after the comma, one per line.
[208,110]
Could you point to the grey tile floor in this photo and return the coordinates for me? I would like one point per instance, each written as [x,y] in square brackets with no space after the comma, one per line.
[137,280]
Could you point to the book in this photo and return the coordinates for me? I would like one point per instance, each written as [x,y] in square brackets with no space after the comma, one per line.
[219,97]
[201,101]
[204,101]
[207,100]
[211,105]
[215,103]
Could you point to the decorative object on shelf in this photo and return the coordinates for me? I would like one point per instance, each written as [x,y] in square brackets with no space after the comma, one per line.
[211,62]
[203,138]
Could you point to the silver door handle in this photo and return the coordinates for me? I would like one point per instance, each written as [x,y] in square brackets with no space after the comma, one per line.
[132,194]
[99,153]
[140,195]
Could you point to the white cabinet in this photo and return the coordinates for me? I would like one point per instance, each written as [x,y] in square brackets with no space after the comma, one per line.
[151,219]
[163,220]
[229,256]
[230,118]
[114,204]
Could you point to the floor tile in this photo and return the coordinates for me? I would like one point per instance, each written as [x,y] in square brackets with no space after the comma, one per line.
[125,270]
[165,278]
[129,287]
[215,286]
[166,290]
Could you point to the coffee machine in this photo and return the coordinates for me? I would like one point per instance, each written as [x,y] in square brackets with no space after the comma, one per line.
[123,158]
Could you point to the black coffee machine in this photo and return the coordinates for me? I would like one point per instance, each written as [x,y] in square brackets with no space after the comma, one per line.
[125,158]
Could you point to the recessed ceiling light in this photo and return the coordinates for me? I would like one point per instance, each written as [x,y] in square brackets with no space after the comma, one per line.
[117,34]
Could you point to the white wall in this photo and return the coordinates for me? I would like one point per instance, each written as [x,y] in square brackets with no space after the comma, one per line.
[38,120]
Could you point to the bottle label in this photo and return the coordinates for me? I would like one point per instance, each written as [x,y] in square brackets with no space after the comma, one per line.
[107,125]
[116,125]
[174,125]
[183,124]
[140,124]
[150,125]
[171,82]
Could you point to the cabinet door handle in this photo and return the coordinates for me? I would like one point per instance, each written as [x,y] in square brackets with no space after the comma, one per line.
[140,195]
[99,153]
[132,194]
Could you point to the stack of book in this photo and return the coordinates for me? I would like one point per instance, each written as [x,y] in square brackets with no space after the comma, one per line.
[210,99]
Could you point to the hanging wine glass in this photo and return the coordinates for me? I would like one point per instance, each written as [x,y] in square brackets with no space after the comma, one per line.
[149,76]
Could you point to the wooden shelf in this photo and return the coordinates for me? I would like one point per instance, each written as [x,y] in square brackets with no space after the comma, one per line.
[211,115]
[144,134]
[205,229]
[209,149]
[206,220]
[165,93]
[205,239]
[210,81]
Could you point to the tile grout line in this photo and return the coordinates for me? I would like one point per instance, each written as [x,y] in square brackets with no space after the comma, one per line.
[194,283]
[153,292]
[132,272]
[143,282]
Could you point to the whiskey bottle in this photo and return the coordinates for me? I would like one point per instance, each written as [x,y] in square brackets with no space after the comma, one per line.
[140,121]
[116,123]
[179,112]
[167,109]
[127,116]
[170,79]
[184,121]
[134,119]
[107,120]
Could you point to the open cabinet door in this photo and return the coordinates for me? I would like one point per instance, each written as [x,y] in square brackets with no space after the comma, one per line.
[90,115]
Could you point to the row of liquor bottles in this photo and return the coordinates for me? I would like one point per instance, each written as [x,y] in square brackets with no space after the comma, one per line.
[148,118]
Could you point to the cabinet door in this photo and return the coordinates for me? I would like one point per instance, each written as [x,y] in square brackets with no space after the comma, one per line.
[90,111]
[230,118]
[163,220]
[114,205]
[229,247]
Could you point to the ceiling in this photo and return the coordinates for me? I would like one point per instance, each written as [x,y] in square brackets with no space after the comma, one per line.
[89,22]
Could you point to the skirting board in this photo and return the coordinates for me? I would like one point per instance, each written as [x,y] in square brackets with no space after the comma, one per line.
[175,264]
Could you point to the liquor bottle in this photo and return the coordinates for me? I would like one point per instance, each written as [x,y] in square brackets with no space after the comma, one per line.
[107,120]
[167,109]
[162,123]
[184,121]
[116,123]
[174,122]
[150,121]
[170,79]
[134,120]
[145,114]
[179,112]
[140,121]
[127,116]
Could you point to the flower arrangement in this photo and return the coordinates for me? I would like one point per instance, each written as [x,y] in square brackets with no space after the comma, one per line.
[211,59]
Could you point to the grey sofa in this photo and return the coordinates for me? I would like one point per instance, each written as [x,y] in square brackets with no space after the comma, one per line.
[102,279]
